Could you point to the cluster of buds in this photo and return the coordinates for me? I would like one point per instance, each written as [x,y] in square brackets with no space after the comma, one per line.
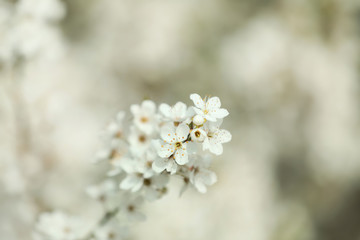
[158,144]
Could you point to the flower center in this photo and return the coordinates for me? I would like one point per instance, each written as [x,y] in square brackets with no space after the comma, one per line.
[197,134]
[114,154]
[206,111]
[147,182]
[118,134]
[131,208]
[178,145]
[144,119]
[111,235]
[142,138]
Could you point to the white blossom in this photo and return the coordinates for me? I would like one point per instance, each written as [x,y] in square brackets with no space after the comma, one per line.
[198,135]
[145,116]
[176,113]
[130,207]
[139,141]
[216,137]
[111,231]
[102,190]
[202,177]
[59,226]
[174,143]
[208,108]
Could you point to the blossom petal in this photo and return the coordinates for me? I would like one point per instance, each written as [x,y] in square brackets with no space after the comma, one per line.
[172,167]
[148,106]
[198,102]
[165,110]
[130,182]
[200,186]
[179,111]
[223,136]
[182,132]
[199,111]
[159,165]
[215,147]
[181,156]
[167,133]
[209,117]
[206,176]
[166,151]
[135,109]
[213,103]
[206,144]
[138,185]
[218,113]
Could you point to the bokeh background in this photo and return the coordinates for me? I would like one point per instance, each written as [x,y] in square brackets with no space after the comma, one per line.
[287,71]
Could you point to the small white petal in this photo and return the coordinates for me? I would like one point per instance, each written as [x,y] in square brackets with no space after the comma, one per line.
[166,151]
[148,106]
[172,167]
[210,117]
[200,187]
[135,109]
[215,147]
[179,111]
[198,102]
[159,165]
[223,136]
[206,144]
[181,156]
[168,133]
[165,110]
[138,185]
[219,113]
[213,103]
[199,111]
[182,132]
[130,181]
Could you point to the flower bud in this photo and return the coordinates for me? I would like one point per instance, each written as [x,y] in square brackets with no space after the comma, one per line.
[198,120]
[198,135]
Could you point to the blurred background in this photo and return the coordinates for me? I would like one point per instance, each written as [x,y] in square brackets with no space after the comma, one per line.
[287,71]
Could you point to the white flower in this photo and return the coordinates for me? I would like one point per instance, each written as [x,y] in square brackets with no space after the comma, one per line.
[139,141]
[209,109]
[198,135]
[174,143]
[130,206]
[111,231]
[145,116]
[59,226]
[102,190]
[168,164]
[141,178]
[215,137]
[176,113]
[116,127]
[202,177]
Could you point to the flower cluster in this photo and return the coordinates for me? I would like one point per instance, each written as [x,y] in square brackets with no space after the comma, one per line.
[158,144]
